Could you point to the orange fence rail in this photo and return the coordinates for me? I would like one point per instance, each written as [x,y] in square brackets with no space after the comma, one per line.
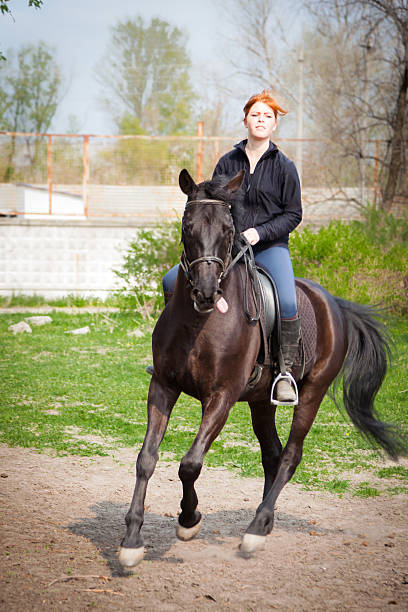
[78,165]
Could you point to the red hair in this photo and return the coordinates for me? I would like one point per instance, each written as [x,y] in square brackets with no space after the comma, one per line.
[266,98]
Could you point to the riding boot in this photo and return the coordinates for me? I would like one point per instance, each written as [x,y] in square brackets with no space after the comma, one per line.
[167,296]
[290,336]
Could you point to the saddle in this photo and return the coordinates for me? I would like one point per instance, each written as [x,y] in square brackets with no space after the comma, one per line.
[270,325]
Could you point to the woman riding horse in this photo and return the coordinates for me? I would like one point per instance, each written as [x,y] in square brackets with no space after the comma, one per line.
[272,210]
[209,351]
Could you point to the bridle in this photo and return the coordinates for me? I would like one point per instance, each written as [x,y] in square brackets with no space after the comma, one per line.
[227,264]
[224,264]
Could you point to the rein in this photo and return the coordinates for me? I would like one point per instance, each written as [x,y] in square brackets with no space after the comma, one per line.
[250,273]
[227,265]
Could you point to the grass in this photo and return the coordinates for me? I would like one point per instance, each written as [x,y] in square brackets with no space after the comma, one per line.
[86,395]
[34,301]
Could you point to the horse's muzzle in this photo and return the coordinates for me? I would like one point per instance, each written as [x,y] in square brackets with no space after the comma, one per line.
[205,303]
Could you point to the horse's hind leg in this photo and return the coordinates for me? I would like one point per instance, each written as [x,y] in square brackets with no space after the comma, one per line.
[159,407]
[263,423]
[215,413]
[304,415]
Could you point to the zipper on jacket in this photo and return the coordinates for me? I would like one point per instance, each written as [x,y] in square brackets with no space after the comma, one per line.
[254,209]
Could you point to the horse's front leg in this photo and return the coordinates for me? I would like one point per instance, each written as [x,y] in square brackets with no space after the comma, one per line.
[159,406]
[215,414]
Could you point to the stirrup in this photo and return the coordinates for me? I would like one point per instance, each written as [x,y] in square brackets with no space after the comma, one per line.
[287,376]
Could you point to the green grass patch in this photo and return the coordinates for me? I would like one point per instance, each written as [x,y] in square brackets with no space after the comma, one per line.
[397,490]
[394,471]
[365,489]
[86,395]
[34,301]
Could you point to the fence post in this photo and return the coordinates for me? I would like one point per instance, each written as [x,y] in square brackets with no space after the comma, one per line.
[85,180]
[49,164]
[216,151]
[200,152]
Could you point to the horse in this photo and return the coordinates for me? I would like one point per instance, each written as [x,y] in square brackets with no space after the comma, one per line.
[209,352]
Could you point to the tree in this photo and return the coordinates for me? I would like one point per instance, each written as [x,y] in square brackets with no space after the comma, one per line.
[29,89]
[5,6]
[5,10]
[30,84]
[369,80]
[259,50]
[146,74]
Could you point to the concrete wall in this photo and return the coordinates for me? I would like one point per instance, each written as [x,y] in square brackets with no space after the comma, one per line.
[54,258]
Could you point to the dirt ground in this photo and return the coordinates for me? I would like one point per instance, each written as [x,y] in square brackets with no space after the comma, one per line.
[63,519]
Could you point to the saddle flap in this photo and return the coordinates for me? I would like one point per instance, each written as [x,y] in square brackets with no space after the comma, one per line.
[270,306]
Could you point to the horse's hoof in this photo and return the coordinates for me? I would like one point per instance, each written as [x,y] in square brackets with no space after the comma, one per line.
[187,533]
[129,557]
[252,543]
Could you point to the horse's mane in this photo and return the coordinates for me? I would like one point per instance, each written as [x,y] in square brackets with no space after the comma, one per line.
[216,189]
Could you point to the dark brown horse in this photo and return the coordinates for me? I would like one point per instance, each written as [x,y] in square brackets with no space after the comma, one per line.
[209,353]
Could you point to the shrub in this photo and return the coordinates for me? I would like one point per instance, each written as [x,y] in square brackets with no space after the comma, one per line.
[149,256]
[363,261]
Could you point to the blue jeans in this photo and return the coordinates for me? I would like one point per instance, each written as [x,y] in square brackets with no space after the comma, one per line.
[276,260]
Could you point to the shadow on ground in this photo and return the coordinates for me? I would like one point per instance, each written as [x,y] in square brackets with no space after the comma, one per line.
[107,527]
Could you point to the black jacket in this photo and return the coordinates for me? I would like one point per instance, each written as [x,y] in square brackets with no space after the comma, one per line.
[272,193]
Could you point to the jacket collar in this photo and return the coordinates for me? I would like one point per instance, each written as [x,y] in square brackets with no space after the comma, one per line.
[271,149]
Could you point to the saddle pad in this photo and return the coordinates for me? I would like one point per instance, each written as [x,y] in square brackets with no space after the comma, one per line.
[309,331]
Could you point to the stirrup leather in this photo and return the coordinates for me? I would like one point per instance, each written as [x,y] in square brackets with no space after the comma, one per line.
[288,376]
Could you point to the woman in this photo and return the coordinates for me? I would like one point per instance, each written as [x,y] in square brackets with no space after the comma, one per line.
[272,210]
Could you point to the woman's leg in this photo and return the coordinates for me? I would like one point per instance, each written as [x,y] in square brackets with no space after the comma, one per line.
[276,260]
[169,280]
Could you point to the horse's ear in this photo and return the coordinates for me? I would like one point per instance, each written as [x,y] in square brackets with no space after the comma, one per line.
[187,184]
[235,183]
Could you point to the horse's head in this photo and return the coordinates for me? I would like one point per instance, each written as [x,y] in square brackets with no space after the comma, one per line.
[207,235]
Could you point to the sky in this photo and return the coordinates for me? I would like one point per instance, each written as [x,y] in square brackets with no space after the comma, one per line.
[80,32]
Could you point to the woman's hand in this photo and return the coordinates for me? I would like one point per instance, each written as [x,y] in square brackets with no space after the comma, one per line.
[251,235]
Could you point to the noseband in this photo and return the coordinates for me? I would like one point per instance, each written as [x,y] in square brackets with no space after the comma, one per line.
[187,266]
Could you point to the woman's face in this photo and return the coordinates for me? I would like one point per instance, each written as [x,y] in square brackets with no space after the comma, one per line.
[260,121]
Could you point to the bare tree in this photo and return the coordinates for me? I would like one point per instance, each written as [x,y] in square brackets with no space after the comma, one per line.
[263,54]
[259,50]
[362,67]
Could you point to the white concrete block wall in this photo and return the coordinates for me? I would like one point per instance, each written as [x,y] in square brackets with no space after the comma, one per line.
[43,258]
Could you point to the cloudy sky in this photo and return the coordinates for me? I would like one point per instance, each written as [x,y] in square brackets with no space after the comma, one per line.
[80,31]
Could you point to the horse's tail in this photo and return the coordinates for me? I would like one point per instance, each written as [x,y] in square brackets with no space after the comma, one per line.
[363,372]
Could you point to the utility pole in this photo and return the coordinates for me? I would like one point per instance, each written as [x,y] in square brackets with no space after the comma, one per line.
[363,143]
[299,131]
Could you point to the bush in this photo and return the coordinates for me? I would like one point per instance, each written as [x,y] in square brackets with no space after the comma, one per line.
[363,261]
[148,258]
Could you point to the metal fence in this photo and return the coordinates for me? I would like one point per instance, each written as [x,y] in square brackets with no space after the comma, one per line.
[124,176]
